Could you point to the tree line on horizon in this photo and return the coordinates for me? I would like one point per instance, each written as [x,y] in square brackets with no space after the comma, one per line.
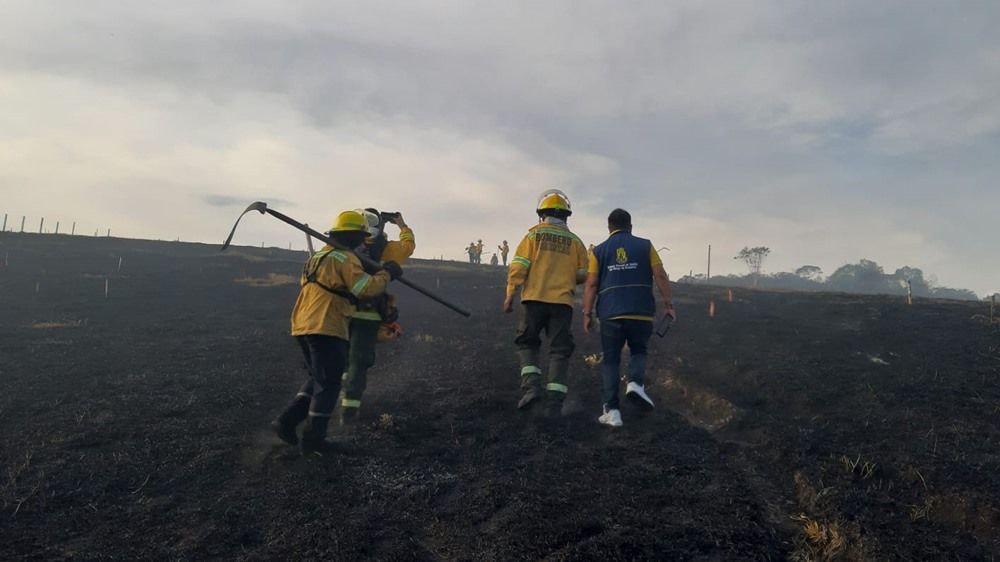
[865,277]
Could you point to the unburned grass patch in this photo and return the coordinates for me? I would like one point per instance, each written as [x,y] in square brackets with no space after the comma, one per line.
[700,406]
[822,540]
[824,536]
[249,257]
[272,280]
[59,324]
[858,466]
[386,422]
[427,338]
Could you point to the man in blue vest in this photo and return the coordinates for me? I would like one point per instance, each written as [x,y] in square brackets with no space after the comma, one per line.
[620,278]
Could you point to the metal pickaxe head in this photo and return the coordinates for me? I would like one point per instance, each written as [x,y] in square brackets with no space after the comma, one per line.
[259,206]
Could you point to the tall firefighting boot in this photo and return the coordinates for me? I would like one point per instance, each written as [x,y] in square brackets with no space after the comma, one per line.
[554,403]
[531,391]
[556,389]
[349,412]
[314,435]
[531,378]
[295,412]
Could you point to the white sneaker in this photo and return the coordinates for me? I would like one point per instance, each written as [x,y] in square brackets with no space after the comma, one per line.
[636,393]
[612,418]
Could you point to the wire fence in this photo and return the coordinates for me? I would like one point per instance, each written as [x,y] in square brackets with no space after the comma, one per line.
[59,228]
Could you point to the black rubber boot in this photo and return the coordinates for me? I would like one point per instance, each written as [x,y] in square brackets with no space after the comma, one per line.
[349,416]
[554,403]
[284,426]
[532,393]
[314,436]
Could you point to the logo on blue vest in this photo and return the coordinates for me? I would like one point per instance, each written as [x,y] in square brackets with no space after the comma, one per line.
[621,256]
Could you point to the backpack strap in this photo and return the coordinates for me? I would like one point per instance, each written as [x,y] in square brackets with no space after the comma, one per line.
[311,277]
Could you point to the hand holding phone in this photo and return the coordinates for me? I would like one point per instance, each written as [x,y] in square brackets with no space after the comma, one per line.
[663,325]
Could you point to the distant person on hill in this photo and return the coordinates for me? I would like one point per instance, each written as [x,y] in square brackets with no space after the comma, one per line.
[332,281]
[548,265]
[620,278]
[504,250]
[494,260]
[479,252]
[373,314]
[471,250]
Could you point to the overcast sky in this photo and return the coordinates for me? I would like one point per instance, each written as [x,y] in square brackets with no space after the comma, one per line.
[828,131]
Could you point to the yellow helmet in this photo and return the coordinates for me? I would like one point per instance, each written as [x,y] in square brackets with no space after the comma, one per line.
[350,221]
[554,200]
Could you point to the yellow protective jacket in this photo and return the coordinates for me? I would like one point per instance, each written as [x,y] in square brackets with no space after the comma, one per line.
[396,251]
[320,310]
[548,264]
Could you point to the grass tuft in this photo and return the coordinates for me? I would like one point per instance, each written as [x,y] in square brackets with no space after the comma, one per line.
[59,324]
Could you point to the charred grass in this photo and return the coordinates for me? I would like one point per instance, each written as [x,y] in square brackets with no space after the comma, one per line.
[141,431]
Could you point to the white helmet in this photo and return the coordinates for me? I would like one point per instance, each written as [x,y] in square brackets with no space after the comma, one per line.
[373,221]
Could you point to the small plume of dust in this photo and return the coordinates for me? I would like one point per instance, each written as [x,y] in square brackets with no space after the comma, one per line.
[261,446]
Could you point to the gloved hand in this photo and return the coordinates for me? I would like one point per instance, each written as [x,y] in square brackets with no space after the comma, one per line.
[394,269]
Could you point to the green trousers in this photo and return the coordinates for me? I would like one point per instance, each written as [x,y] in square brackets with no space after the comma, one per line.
[360,358]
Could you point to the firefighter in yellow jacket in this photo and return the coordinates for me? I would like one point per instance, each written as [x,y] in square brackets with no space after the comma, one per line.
[332,282]
[371,313]
[547,266]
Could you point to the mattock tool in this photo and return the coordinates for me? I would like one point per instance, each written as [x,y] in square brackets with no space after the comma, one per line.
[262,208]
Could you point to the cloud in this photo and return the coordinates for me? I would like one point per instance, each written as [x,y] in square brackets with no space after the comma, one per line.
[216,200]
[145,163]
[821,130]
[219,200]
[899,66]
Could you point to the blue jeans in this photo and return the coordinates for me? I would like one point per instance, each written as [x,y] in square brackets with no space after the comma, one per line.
[614,335]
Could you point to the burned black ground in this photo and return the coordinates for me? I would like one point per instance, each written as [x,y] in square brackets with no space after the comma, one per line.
[792,426]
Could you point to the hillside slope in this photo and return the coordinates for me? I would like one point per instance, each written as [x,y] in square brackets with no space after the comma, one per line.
[791,426]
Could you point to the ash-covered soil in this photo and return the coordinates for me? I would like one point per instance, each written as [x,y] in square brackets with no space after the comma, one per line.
[790,426]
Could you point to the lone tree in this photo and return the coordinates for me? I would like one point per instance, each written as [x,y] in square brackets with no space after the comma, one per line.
[754,258]
[811,272]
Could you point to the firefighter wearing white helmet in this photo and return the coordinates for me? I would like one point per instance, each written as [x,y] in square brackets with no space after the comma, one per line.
[332,282]
[374,316]
[546,268]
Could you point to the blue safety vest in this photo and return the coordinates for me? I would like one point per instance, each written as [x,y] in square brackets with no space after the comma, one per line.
[625,274]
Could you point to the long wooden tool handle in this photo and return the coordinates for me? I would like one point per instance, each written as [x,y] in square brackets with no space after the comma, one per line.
[365,260]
